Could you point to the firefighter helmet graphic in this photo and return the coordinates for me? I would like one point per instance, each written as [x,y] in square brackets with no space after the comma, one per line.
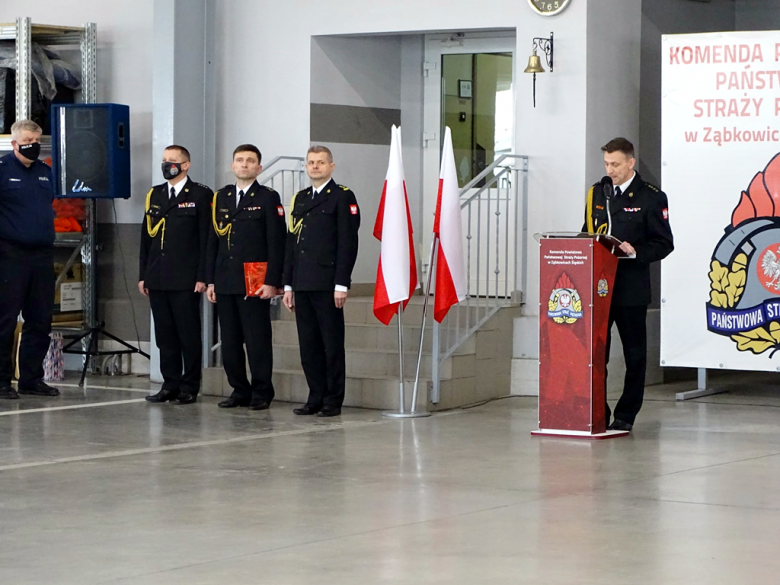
[744,272]
[564,305]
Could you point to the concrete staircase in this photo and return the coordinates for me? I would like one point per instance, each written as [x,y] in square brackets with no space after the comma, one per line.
[479,370]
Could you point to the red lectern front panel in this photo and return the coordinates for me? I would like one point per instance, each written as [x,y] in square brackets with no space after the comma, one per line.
[576,281]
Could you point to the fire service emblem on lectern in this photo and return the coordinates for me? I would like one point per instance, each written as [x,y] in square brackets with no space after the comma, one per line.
[564,305]
[602,288]
[744,272]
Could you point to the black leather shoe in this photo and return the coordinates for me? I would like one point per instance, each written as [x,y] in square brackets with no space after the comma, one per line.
[40,389]
[232,403]
[306,410]
[329,411]
[163,396]
[620,425]
[8,393]
[259,404]
[186,398]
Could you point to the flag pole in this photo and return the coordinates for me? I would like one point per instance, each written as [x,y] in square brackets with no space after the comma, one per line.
[434,247]
[401,413]
[401,397]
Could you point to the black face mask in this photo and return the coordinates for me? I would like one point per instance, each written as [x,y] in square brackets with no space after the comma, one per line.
[171,170]
[30,151]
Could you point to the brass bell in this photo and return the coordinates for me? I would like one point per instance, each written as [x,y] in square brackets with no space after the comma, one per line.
[534,64]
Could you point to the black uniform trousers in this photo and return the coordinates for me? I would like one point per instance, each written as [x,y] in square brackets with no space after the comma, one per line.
[321,338]
[26,285]
[632,326]
[177,333]
[247,321]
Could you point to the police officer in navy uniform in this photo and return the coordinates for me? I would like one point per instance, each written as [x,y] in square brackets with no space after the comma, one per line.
[248,226]
[26,260]
[172,273]
[322,247]
[636,213]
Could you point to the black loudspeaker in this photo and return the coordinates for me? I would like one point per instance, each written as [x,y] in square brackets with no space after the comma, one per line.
[91,150]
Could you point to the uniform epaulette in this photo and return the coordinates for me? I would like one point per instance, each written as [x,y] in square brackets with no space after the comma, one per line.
[202,185]
[303,190]
[653,187]
[344,187]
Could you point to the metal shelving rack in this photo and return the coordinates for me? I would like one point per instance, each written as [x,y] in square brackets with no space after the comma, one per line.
[24,32]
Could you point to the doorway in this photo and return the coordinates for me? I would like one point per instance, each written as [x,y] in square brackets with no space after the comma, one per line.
[469,86]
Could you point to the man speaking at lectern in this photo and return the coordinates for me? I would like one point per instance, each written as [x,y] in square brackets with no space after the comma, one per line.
[637,213]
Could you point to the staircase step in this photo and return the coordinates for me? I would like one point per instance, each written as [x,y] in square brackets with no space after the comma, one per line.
[363,363]
[360,310]
[363,336]
[380,364]
[380,393]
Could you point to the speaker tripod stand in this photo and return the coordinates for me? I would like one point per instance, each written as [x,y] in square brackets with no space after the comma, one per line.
[92,351]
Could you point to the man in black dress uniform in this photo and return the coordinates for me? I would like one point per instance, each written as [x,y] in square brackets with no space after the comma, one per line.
[26,260]
[172,273]
[637,213]
[248,226]
[322,247]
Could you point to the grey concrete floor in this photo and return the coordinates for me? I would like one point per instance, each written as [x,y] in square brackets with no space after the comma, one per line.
[98,486]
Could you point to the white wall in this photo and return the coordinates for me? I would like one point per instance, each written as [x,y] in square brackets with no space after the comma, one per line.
[273,107]
[364,72]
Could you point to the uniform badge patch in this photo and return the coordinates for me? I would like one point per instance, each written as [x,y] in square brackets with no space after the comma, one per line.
[666,213]
[186,204]
[632,209]
[353,209]
[280,210]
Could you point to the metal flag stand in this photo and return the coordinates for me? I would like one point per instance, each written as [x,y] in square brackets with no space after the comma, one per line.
[414,413]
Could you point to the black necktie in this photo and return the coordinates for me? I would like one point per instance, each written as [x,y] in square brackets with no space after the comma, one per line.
[238,199]
[173,193]
[618,192]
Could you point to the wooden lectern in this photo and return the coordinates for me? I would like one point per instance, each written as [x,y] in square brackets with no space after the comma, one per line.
[577,275]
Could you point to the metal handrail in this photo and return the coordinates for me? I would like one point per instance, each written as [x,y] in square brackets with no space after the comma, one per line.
[495,214]
[278,159]
[488,170]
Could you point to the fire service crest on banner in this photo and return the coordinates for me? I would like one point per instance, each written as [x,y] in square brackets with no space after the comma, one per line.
[744,302]
[565,305]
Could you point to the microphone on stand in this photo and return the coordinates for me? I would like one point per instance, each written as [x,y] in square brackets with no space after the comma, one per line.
[606,185]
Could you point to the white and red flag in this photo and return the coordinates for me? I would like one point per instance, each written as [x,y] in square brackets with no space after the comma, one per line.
[396,275]
[450,271]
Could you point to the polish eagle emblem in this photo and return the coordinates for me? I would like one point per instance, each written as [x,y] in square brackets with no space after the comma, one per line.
[771,268]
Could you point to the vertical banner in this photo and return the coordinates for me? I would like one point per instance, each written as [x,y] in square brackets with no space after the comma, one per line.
[720,289]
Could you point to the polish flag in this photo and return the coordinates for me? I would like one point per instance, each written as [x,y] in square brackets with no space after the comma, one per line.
[396,275]
[450,272]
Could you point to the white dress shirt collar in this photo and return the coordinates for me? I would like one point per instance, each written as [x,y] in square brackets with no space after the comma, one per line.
[625,185]
[177,187]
